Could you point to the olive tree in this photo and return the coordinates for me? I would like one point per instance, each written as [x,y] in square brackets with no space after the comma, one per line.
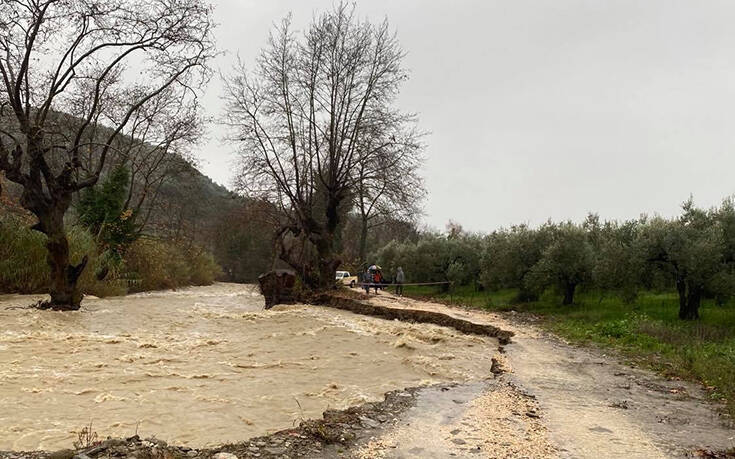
[618,257]
[696,249]
[316,109]
[566,263]
[435,257]
[73,74]
[510,255]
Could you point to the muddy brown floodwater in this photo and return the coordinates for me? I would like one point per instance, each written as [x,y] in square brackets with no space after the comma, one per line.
[204,366]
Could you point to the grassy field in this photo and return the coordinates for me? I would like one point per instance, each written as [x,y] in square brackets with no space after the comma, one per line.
[647,332]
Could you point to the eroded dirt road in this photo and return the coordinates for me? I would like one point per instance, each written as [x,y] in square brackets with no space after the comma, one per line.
[555,400]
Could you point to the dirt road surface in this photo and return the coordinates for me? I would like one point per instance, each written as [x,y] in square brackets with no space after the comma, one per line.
[555,400]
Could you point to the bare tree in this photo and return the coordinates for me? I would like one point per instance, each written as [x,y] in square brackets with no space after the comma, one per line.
[74,75]
[388,186]
[156,148]
[300,118]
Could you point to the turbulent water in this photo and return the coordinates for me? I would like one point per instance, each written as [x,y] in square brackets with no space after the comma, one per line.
[205,366]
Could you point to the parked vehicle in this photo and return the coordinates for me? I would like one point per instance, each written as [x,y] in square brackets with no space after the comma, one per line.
[346,279]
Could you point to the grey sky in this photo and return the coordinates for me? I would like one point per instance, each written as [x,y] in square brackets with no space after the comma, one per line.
[543,109]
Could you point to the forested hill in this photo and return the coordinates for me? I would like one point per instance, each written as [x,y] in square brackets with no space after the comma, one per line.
[173,201]
[193,210]
[192,207]
[186,202]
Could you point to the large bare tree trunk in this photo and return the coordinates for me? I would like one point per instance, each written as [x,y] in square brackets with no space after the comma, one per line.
[363,240]
[569,289]
[327,267]
[63,285]
[689,300]
[312,258]
[64,288]
[328,261]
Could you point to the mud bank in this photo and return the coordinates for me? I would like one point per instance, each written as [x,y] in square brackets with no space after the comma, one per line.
[361,306]
[488,418]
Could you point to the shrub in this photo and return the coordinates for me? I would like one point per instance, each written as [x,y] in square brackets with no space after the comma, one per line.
[155,264]
[203,270]
[613,329]
[82,243]
[149,264]
[23,267]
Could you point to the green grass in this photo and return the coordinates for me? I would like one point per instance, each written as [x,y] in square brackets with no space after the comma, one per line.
[647,332]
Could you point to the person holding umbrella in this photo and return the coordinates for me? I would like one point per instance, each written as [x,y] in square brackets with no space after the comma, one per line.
[377,278]
[373,278]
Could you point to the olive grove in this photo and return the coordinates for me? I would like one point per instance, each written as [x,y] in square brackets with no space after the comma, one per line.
[693,255]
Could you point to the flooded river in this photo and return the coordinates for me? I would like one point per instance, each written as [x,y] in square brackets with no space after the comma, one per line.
[205,366]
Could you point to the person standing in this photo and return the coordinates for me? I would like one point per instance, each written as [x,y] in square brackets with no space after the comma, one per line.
[400,278]
[377,280]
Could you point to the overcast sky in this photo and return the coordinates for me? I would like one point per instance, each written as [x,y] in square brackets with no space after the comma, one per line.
[543,109]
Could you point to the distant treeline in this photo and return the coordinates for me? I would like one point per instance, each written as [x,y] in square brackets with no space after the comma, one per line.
[693,254]
[244,240]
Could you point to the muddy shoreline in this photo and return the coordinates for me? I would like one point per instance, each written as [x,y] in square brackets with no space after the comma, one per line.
[357,306]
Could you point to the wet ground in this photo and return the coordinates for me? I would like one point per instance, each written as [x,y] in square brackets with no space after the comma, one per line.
[588,404]
[490,419]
